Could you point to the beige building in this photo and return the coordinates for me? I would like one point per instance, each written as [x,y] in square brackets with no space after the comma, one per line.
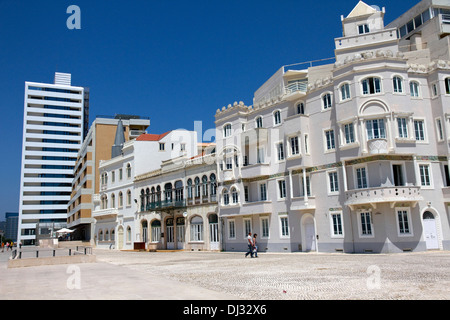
[96,147]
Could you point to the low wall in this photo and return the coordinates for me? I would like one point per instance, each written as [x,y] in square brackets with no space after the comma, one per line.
[32,262]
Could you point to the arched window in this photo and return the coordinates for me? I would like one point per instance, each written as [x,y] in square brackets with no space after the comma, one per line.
[178,190]
[398,84]
[326,101]
[414,89]
[189,188]
[142,200]
[100,235]
[113,200]
[197,187]
[128,170]
[107,235]
[168,192]
[147,199]
[196,228]
[259,122]
[158,194]
[128,197]
[104,202]
[128,234]
[112,234]
[234,195]
[120,199]
[212,179]
[204,186]
[277,117]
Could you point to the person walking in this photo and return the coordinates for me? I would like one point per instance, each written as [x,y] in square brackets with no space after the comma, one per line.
[7,246]
[255,247]
[250,245]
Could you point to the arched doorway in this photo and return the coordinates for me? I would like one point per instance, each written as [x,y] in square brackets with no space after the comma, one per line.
[430,230]
[213,232]
[120,238]
[308,233]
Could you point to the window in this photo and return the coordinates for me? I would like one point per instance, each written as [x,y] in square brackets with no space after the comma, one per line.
[234,195]
[197,228]
[113,200]
[161,146]
[349,132]
[231,229]
[439,129]
[262,192]
[113,176]
[402,128]
[183,147]
[156,230]
[375,129]
[306,144]
[329,136]
[120,174]
[281,189]
[434,90]
[280,151]
[120,199]
[345,92]
[246,194]
[336,221]
[333,181]
[294,146]
[363,28]
[284,226]
[259,123]
[227,130]
[226,198]
[398,84]
[229,163]
[366,223]
[371,85]
[403,222]
[128,198]
[128,170]
[361,178]
[265,227]
[277,117]
[414,89]
[447,85]
[419,130]
[308,185]
[425,177]
[189,188]
[300,108]
[247,226]
[326,101]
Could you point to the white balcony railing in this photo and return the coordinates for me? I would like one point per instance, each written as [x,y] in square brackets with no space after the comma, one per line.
[376,195]
[296,86]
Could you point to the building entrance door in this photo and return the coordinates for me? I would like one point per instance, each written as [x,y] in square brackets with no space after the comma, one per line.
[429,230]
[213,232]
[169,234]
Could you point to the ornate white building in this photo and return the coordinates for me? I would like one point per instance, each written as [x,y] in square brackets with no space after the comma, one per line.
[351,156]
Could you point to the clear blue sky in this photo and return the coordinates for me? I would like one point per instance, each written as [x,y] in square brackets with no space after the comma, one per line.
[171,60]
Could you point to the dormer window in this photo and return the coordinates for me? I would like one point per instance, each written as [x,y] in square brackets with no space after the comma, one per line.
[363,28]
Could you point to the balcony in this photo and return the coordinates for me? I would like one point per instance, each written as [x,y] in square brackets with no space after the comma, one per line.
[295,90]
[105,213]
[255,170]
[444,21]
[247,208]
[299,203]
[373,196]
[166,205]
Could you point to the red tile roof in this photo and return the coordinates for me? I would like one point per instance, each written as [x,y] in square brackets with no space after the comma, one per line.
[151,137]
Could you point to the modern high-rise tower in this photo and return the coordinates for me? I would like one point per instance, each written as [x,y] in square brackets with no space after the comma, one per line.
[54,127]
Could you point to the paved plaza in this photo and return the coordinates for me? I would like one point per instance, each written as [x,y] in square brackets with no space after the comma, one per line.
[216,276]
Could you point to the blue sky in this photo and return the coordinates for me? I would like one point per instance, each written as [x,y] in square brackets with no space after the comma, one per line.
[173,61]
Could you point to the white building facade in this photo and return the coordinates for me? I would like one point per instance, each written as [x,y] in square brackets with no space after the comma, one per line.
[54,126]
[346,157]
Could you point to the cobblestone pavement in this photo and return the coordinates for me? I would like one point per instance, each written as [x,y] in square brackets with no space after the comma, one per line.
[422,276]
